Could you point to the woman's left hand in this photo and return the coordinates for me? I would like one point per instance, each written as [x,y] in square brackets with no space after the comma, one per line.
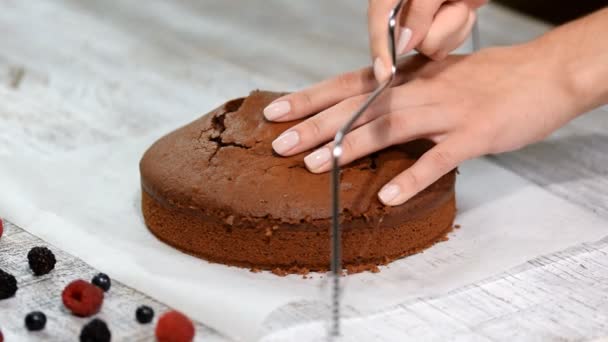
[493,101]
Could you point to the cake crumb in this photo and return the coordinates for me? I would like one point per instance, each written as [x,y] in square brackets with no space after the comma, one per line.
[268,232]
[352,269]
[280,272]
[255,270]
[292,270]
[229,220]
[275,227]
[456,226]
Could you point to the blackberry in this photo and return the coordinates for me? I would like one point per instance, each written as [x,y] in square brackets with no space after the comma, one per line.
[95,331]
[144,314]
[35,321]
[8,285]
[41,260]
[102,281]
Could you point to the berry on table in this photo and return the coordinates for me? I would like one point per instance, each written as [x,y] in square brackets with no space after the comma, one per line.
[102,281]
[95,331]
[82,298]
[173,326]
[144,314]
[1,231]
[41,260]
[35,321]
[8,285]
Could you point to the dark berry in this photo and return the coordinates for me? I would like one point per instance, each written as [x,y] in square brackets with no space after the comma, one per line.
[35,321]
[82,298]
[102,281]
[144,314]
[1,231]
[8,285]
[173,326]
[41,260]
[1,336]
[95,331]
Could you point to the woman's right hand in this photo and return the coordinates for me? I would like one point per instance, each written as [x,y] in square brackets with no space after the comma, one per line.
[433,27]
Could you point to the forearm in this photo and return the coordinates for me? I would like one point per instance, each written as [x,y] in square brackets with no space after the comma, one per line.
[577,54]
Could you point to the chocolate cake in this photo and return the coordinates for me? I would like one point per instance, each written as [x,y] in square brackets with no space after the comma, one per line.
[216,189]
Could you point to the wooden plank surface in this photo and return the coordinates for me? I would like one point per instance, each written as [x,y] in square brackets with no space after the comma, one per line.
[43,293]
[75,73]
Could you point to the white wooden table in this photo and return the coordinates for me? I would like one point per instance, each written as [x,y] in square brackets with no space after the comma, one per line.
[75,73]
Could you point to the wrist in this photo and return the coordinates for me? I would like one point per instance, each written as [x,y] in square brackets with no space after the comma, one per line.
[586,78]
[576,54]
[556,76]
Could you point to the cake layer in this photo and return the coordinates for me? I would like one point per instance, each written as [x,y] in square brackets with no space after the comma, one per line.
[280,248]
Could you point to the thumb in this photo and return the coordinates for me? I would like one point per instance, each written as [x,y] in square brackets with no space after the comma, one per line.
[417,19]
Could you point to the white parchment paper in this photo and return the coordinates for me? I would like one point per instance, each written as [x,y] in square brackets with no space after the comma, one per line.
[87,203]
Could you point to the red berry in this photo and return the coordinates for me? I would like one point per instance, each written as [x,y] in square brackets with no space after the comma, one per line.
[82,298]
[1,231]
[1,337]
[173,326]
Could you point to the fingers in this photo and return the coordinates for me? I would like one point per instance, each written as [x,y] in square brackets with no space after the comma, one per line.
[377,22]
[474,4]
[449,30]
[435,163]
[417,20]
[444,28]
[330,92]
[320,96]
[390,129]
[323,126]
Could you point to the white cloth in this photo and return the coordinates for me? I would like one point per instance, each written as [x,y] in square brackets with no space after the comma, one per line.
[87,203]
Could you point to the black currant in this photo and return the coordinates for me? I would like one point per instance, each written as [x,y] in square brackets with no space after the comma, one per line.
[102,281]
[35,321]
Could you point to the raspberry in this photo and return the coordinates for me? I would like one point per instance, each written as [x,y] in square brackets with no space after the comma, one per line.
[41,260]
[8,285]
[82,298]
[173,326]
[95,331]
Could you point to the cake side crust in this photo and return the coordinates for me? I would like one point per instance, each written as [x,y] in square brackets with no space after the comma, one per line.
[286,251]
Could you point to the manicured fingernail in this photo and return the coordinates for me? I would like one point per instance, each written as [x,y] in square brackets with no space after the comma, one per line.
[388,193]
[317,159]
[286,142]
[405,35]
[275,110]
[379,69]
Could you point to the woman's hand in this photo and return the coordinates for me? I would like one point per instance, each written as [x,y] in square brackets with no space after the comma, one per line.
[433,27]
[494,101]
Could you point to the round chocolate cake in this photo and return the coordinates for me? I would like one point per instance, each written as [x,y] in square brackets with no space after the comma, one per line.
[215,189]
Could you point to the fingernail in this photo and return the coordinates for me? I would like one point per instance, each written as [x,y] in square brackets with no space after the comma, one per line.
[388,193]
[317,159]
[286,142]
[405,35]
[275,110]
[379,69]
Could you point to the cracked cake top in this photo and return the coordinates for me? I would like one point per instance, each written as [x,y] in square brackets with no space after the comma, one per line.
[223,163]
